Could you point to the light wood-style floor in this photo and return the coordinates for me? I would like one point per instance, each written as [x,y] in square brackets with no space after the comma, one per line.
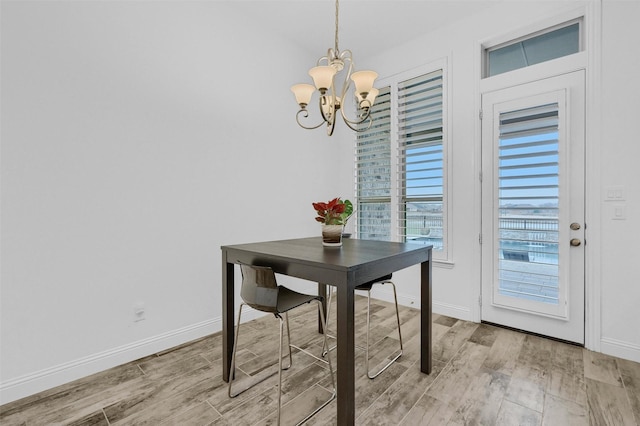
[483,375]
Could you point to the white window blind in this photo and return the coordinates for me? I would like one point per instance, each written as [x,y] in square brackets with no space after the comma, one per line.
[528,185]
[373,173]
[421,159]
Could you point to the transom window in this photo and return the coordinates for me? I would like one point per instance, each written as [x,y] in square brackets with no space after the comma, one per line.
[552,43]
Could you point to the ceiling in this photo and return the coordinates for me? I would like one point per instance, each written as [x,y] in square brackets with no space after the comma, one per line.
[365,26]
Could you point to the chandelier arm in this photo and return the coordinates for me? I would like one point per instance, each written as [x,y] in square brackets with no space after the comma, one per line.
[331,126]
[351,123]
[366,112]
[364,105]
[326,117]
[346,56]
[331,102]
[324,58]
[305,115]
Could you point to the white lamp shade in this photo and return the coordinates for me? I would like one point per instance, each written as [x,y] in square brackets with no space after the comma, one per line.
[303,93]
[322,76]
[371,96]
[364,80]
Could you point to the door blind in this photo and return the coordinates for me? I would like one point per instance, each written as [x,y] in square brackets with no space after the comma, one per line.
[528,188]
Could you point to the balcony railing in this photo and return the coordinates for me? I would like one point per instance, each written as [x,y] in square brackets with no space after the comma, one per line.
[424,227]
[528,223]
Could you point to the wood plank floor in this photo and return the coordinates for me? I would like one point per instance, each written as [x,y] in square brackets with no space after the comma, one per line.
[482,375]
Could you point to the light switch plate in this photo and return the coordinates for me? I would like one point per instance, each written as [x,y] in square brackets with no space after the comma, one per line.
[614,193]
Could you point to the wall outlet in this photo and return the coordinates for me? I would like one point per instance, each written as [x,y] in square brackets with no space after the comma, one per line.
[139,313]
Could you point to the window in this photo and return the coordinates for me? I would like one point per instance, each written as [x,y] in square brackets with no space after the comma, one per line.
[543,46]
[400,164]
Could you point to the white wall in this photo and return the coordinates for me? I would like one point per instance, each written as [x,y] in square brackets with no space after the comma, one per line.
[135,142]
[613,151]
[620,151]
[137,138]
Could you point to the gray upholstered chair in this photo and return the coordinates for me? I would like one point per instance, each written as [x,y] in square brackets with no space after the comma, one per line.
[261,292]
[367,287]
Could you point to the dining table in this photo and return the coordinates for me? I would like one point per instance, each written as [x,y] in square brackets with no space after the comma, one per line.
[356,262]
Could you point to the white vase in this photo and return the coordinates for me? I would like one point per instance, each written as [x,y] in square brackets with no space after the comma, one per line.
[332,235]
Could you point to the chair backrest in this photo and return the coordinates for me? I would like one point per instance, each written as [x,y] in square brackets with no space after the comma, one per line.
[259,287]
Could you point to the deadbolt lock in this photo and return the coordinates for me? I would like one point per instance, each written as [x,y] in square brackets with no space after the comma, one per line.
[575,226]
[575,242]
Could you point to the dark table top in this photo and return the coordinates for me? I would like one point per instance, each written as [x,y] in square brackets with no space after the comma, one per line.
[363,259]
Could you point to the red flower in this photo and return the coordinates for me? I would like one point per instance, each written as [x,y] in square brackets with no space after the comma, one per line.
[332,213]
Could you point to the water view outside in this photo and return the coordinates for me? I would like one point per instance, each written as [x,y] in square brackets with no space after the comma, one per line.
[528,183]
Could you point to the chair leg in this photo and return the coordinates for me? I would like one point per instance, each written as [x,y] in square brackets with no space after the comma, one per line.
[286,316]
[324,327]
[327,361]
[395,299]
[282,322]
[366,356]
[232,371]
[280,367]
[325,346]
[374,375]
[333,383]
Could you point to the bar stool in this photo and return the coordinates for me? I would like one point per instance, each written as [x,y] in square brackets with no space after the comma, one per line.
[367,287]
[261,292]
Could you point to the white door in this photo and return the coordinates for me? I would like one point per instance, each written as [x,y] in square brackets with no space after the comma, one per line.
[533,207]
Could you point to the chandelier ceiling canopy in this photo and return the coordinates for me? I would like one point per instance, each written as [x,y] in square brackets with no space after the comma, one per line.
[337,67]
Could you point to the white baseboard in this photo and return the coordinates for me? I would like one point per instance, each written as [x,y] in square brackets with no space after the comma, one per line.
[620,349]
[455,311]
[30,384]
[48,378]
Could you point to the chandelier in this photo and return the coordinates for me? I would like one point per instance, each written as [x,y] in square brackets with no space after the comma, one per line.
[337,65]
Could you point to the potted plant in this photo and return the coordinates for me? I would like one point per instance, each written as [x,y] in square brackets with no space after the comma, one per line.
[333,215]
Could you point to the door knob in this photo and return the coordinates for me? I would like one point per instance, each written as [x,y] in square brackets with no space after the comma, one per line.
[574,226]
[575,242]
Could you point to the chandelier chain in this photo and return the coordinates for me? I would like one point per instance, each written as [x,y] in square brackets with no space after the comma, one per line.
[337,27]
